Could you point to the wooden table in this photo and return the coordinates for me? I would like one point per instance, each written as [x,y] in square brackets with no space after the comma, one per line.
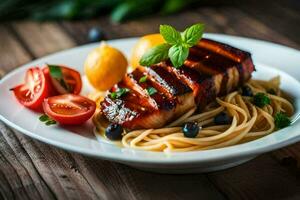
[30,169]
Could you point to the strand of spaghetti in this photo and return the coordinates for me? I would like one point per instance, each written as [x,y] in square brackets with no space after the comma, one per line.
[182,118]
[240,136]
[205,115]
[243,106]
[199,140]
[270,121]
[289,106]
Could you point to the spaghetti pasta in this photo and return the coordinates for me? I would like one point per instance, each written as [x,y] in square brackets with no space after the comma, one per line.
[249,122]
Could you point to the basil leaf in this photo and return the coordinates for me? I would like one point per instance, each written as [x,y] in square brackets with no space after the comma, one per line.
[170,34]
[193,34]
[155,55]
[43,118]
[55,71]
[151,90]
[178,55]
[50,122]
[120,92]
[143,79]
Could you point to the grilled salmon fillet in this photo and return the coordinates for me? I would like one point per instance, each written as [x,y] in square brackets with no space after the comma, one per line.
[212,69]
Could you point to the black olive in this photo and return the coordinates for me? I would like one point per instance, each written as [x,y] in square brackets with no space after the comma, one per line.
[95,34]
[114,132]
[222,118]
[246,91]
[271,91]
[190,129]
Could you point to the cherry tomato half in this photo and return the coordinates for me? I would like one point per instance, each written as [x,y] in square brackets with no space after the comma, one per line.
[69,108]
[69,83]
[32,93]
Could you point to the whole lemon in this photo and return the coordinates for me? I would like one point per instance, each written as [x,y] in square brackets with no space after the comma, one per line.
[144,43]
[105,66]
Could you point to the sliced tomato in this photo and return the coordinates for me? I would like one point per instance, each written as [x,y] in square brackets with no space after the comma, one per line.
[32,93]
[69,108]
[69,83]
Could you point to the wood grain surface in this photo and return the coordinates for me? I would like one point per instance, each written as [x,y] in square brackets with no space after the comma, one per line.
[30,169]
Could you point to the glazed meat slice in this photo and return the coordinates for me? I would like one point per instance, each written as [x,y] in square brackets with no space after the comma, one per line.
[212,69]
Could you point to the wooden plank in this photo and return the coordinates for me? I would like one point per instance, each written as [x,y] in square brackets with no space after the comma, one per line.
[233,21]
[43,38]
[261,178]
[18,170]
[133,28]
[282,16]
[12,53]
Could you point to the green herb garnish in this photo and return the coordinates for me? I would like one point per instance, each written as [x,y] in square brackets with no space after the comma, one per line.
[43,118]
[50,122]
[176,47]
[120,92]
[143,79]
[47,120]
[281,120]
[261,99]
[155,55]
[151,90]
[56,73]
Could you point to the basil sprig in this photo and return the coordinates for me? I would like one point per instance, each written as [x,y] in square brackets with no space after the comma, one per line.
[176,47]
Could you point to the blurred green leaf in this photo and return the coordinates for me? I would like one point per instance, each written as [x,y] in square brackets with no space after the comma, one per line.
[134,8]
[172,6]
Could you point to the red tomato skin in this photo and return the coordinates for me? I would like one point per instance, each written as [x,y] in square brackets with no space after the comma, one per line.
[69,119]
[65,69]
[52,91]
[35,104]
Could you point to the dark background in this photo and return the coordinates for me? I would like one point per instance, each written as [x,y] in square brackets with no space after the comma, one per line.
[281,15]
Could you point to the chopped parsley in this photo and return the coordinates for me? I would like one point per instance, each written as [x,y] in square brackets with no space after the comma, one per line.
[143,79]
[151,90]
[120,92]
[281,120]
[261,99]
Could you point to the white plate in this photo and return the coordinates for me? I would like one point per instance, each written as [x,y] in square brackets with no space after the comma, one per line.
[269,59]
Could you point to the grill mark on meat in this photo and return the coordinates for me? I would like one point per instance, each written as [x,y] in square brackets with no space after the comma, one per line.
[163,101]
[167,80]
[136,94]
